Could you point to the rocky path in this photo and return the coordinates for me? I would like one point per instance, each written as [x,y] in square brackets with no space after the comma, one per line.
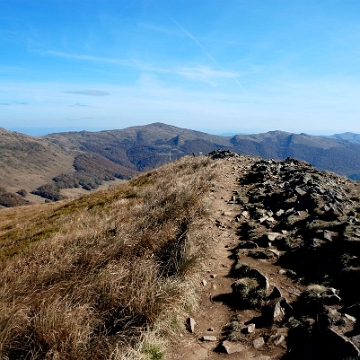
[219,314]
[283,234]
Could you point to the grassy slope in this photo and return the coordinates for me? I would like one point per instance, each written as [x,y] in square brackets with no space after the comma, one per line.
[94,278]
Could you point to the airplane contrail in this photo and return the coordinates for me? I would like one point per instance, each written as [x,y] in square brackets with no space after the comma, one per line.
[196,41]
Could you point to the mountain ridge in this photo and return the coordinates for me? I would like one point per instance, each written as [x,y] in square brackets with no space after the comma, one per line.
[86,159]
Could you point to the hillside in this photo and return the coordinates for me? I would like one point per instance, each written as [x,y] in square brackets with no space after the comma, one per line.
[141,147]
[146,147]
[28,162]
[47,167]
[223,256]
[337,155]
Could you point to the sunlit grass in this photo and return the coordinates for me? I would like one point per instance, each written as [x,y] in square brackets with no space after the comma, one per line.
[94,277]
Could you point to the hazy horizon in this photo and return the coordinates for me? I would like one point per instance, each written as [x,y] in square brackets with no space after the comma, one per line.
[47,131]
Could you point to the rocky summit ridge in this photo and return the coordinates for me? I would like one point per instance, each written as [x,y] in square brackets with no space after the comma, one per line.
[285,265]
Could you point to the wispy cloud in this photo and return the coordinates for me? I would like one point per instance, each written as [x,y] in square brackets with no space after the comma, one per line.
[158,29]
[204,51]
[206,74]
[85,57]
[89,92]
[12,103]
[79,105]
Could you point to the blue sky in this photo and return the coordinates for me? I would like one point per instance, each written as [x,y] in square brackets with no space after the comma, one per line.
[231,66]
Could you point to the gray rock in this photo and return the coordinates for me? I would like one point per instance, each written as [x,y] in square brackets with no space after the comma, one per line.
[191,322]
[275,294]
[300,191]
[232,347]
[331,291]
[356,340]
[349,317]
[332,299]
[208,338]
[277,339]
[249,329]
[340,346]
[278,311]
[338,197]
[271,236]
[327,235]
[270,219]
[262,219]
[258,342]
[279,212]
[286,306]
[274,251]
[261,278]
[226,213]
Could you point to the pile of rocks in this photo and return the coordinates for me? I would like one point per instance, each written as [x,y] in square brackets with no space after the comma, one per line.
[304,223]
[308,220]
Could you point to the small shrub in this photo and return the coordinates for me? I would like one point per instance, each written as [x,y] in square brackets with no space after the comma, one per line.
[153,351]
[247,291]
[248,230]
[22,192]
[235,330]
[10,200]
[50,192]
[240,269]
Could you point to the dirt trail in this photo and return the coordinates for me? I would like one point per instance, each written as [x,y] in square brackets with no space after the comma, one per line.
[217,307]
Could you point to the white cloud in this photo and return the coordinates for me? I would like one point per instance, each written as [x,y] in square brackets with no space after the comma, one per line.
[206,74]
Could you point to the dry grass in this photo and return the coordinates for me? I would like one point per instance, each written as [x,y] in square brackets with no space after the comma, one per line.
[108,276]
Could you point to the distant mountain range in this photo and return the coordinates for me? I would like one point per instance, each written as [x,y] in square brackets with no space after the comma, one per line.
[354,138]
[46,165]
